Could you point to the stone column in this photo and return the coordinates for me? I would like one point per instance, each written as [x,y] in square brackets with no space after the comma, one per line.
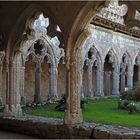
[81,84]
[73,113]
[53,83]
[130,79]
[1,102]
[139,74]
[90,77]
[12,107]
[37,98]
[122,81]
[2,55]
[99,82]
[22,78]
[107,88]
[115,86]
[7,82]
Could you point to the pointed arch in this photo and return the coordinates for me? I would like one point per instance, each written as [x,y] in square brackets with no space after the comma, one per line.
[137,55]
[113,55]
[128,56]
[23,24]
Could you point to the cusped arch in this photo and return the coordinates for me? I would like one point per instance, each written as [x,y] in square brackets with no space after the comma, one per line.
[23,24]
[96,56]
[137,56]
[113,53]
[23,50]
[127,56]
[113,58]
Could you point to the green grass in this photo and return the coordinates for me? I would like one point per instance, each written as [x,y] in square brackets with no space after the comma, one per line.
[45,111]
[101,111]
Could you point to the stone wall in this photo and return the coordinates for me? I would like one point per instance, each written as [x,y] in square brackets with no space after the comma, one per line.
[41,127]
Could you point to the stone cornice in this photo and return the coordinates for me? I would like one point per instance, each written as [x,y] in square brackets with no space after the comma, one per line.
[115,26]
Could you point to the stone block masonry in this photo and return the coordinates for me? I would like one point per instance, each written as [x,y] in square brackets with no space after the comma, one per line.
[41,127]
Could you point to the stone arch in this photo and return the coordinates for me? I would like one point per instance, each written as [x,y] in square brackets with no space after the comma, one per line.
[90,58]
[51,58]
[111,75]
[128,59]
[113,54]
[83,19]
[24,22]
[136,69]
[17,66]
[135,57]
[126,72]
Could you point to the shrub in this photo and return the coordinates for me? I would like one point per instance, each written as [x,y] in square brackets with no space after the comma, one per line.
[61,103]
[82,103]
[61,106]
[122,104]
[137,96]
[131,94]
[132,107]
[128,95]
[129,105]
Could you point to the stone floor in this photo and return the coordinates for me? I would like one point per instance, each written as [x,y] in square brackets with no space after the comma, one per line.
[10,135]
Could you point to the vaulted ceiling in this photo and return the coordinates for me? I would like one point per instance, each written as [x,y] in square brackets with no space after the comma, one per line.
[71,16]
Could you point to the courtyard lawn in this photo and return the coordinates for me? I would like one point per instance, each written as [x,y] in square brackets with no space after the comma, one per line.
[101,111]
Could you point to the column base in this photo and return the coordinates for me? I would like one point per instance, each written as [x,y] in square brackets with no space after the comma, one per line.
[90,94]
[99,94]
[52,98]
[82,95]
[73,118]
[12,111]
[23,101]
[37,99]
[114,93]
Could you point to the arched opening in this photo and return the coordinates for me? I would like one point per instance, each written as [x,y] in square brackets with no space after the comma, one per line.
[91,70]
[87,70]
[45,80]
[135,76]
[46,55]
[85,81]
[108,76]
[61,78]
[29,82]
[111,74]
[126,76]
[136,71]
[94,79]
[38,53]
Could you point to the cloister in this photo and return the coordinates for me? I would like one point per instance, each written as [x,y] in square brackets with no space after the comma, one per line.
[46,52]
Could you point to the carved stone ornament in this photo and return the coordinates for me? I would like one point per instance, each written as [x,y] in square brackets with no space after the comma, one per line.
[114,12]
[45,43]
